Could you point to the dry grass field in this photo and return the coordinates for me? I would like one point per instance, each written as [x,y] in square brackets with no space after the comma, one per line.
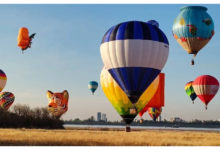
[107,137]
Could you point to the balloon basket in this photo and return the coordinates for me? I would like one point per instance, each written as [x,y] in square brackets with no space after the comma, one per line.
[128,128]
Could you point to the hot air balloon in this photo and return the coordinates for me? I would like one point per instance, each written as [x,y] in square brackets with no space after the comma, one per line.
[120,101]
[157,101]
[24,40]
[154,112]
[193,28]
[58,103]
[93,85]
[6,100]
[134,53]
[190,91]
[205,87]
[3,80]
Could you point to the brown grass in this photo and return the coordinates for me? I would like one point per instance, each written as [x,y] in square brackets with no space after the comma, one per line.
[112,137]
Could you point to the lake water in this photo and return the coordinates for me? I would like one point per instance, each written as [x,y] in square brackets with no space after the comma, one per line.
[141,127]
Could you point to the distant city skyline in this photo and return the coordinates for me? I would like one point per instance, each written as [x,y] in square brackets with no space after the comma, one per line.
[65,55]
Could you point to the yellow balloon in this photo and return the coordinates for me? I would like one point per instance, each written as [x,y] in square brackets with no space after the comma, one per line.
[119,99]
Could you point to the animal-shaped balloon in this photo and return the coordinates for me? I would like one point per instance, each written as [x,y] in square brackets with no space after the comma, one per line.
[190,91]
[134,53]
[3,80]
[193,28]
[24,40]
[120,101]
[206,87]
[157,101]
[58,103]
[6,100]
[93,85]
[154,112]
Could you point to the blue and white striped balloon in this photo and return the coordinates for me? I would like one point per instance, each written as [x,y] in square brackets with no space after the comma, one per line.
[134,53]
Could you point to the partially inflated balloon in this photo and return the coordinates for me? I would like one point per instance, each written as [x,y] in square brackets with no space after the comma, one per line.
[3,80]
[58,103]
[134,53]
[24,40]
[93,85]
[206,87]
[190,91]
[154,112]
[6,100]
[120,101]
[157,101]
[193,28]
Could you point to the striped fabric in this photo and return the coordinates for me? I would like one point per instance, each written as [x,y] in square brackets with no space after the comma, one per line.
[135,30]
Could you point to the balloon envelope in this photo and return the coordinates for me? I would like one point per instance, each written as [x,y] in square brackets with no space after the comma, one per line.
[58,103]
[134,53]
[6,100]
[190,91]
[154,112]
[23,38]
[157,101]
[120,101]
[3,80]
[206,87]
[93,85]
[193,28]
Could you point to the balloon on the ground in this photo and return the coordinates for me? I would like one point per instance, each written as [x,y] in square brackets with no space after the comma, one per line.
[190,91]
[24,40]
[134,53]
[6,100]
[120,101]
[193,28]
[157,101]
[154,112]
[58,103]
[3,80]
[93,85]
[206,87]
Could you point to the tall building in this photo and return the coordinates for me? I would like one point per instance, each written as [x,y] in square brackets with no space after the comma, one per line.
[99,116]
[104,118]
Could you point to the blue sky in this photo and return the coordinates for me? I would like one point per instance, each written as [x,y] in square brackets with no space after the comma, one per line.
[65,55]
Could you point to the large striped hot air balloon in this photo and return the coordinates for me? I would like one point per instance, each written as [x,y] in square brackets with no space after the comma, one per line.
[120,101]
[134,53]
[205,87]
[3,80]
[190,91]
[154,112]
[93,85]
[6,100]
[157,101]
[193,28]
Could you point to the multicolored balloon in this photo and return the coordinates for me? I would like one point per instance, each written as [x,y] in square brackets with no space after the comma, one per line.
[193,28]
[157,101]
[190,91]
[3,80]
[58,103]
[154,112]
[24,40]
[6,100]
[134,53]
[120,101]
[206,87]
[93,85]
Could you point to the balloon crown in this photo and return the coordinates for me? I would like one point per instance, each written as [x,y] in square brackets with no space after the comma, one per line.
[194,7]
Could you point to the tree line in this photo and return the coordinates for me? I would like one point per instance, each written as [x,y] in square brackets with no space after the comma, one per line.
[22,116]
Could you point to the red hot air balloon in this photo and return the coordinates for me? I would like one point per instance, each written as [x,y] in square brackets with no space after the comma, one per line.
[206,87]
